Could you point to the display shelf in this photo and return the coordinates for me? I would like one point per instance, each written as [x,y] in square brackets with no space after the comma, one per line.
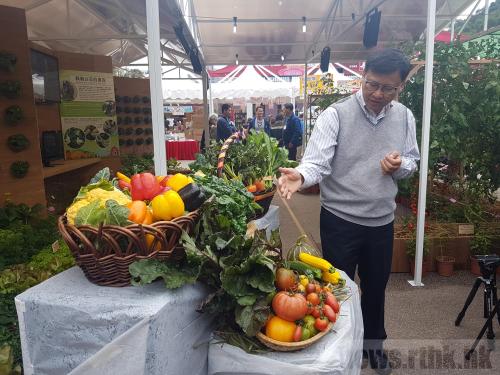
[63,166]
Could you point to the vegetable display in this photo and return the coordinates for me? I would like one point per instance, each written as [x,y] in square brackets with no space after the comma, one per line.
[253,161]
[141,199]
[253,289]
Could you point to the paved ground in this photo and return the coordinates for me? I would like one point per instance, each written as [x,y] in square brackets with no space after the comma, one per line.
[419,321]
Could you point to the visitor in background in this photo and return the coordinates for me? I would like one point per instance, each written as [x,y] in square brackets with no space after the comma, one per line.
[259,123]
[224,126]
[292,132]
[301,118]
[212,126]
[360,147]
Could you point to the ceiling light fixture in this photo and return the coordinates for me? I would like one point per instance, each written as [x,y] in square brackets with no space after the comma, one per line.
[282,58]
[237,61]
[235,24]
[304,26]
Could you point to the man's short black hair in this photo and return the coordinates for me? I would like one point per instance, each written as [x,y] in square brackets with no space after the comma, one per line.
[289,106]
[387,61]
[225,107]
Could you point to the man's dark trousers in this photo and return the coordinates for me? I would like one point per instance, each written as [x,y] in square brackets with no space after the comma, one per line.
[292,153]
[346,245]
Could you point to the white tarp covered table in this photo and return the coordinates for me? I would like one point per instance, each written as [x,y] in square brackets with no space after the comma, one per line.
[68,324]
[339,352]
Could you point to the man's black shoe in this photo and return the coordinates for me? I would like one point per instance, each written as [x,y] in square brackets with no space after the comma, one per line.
[379,362]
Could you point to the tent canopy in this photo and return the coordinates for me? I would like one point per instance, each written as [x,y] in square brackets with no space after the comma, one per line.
[269,29]
[115,28]
[247,83]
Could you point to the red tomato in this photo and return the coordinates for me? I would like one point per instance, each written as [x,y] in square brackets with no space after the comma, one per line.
[297,335]
[313,299]
[318,288]
[321,323]
[310,288]
[316,313]
[289,306]
[331,301]
[329,313]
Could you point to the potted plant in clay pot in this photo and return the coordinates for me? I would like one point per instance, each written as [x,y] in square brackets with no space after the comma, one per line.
[480,244]
[411,246]
[444,263]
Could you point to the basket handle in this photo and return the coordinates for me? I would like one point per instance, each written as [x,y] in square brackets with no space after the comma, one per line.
[222,153]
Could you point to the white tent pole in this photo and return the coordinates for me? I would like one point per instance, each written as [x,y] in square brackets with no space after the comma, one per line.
[426,122]
[210,99]
[205,108]
[452,32]
[486,12]
[155,82]
[304,111]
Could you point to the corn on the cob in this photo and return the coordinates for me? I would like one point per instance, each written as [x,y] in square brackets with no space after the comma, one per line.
[331,277]
[316,262]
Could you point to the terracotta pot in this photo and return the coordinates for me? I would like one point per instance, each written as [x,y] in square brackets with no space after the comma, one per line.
[426,266]
[445,265]
[474,266]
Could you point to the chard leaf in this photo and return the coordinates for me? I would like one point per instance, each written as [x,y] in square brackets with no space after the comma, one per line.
[252,318]
[148,270]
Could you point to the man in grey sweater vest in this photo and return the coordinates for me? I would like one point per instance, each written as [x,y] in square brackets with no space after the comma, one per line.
[358,150]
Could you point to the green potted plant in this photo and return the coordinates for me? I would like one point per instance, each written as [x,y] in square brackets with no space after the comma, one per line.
[18,142]
[13,114]
[444,263]
[19,169]
[7,61]
[411,246]
[480,244]
[10,89]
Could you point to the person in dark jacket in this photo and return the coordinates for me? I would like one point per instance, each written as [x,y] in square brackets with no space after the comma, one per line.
[259,123]
[292,133]
[224,127]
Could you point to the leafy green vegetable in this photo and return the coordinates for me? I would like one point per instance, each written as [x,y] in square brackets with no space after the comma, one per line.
[255,158]
[91,214]
[116,214]
[148,270]
[94,214]
[103,174]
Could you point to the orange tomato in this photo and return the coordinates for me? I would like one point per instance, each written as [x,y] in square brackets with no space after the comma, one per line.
[280,329]
[260,185]
[252,188]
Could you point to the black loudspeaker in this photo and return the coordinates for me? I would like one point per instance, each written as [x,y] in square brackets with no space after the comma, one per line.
[372,26]
[325,59]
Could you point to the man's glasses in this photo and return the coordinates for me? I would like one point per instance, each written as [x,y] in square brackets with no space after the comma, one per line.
[374,86]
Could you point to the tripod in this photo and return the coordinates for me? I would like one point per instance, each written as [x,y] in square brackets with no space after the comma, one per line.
[491,304]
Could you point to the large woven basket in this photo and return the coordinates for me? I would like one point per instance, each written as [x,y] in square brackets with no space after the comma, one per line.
[263,199]
[281,346]
[105,253]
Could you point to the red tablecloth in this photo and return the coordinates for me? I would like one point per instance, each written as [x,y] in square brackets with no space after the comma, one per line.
[182,150]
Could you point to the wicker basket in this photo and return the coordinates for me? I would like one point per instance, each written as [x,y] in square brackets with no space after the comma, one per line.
[262,198]
[281,346]
[105,253]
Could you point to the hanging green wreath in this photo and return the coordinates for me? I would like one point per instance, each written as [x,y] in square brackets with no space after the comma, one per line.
[7,61]
[19,169]
[18,142]
[13,115]
[10,89]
